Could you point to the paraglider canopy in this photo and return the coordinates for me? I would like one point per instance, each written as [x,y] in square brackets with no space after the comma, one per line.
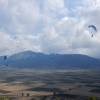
[5,57]
[94,27]
[16,37]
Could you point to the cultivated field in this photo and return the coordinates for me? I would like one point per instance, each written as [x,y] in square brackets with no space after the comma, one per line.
[72,84]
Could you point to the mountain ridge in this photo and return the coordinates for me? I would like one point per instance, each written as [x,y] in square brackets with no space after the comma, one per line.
[38,60]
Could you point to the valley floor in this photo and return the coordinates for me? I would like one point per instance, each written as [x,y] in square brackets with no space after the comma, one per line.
[62,84]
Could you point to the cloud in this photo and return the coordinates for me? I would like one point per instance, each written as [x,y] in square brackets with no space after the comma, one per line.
[50,26]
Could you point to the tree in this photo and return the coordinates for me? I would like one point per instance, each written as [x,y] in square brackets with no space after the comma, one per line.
[22,94]
[54,93]
[44,97]
[56,98]
[28,95]
[80,86]
[34,99]
[4,98]
[91,98]
[10,98]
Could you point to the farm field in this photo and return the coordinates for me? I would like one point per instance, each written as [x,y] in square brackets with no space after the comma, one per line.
[72,84]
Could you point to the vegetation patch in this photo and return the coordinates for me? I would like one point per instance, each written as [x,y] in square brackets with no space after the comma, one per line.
[67,95]
[92,86]
[66,81]
[3,91]
[86,82]
[44,89]
[95,91]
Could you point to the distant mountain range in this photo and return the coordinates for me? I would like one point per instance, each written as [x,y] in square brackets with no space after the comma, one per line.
[29,59]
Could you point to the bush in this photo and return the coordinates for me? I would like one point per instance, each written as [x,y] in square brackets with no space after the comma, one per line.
[28,95]
[54,93]
[4,98]
[91,98]
[34,99]
[80,86]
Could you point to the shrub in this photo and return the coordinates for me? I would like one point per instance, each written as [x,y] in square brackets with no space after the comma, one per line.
[91,98]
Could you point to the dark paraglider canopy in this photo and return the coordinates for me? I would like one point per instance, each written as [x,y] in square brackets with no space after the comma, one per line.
[94,27]
[5,57]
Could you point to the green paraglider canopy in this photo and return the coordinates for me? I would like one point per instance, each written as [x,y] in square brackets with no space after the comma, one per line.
[16,37]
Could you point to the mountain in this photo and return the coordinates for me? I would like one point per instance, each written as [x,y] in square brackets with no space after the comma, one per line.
[29,59]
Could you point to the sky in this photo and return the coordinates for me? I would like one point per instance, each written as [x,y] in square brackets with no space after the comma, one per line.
[58,26]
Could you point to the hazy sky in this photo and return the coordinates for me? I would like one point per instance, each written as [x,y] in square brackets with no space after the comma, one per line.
[59,26]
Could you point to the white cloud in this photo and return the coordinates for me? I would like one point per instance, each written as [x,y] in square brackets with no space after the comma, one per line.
[55,6]
[50,26]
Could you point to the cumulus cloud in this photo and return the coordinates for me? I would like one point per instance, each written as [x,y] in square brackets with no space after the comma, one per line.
[46,26]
